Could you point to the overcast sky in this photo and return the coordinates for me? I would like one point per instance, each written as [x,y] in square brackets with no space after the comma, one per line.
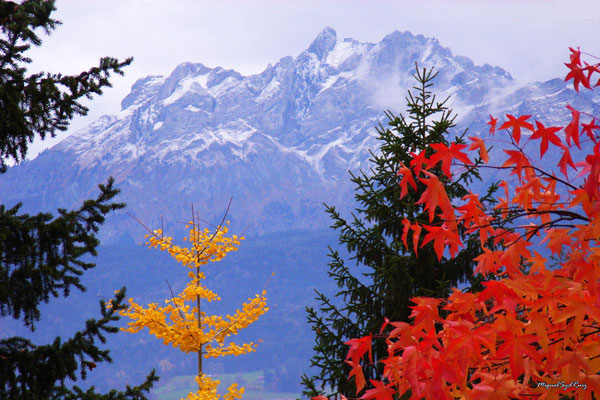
[530,39]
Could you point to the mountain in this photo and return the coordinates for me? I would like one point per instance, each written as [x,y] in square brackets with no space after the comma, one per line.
[280,143]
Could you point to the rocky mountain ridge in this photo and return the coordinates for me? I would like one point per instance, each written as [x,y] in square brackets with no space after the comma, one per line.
[280,142]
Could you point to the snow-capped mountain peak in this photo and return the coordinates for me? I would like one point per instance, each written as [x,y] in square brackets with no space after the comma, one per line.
[282,139]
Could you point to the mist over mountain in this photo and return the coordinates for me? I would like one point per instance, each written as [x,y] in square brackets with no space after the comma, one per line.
[280,143]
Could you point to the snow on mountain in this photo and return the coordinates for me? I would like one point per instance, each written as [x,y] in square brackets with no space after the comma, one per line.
[280,142]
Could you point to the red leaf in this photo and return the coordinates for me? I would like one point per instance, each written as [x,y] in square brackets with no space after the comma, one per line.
[566,160]
[417,162]
[492,123]
[516,124]
[358,347]
[441,236]
[445,154]
[578,76]
[575,56]
[576,71]
[493,387]
[405,229]
[381,391]
[518,159]
[547,134]
[409,360]
[498,291]
[425,313]
[406,179]
[435,196]
[416,233]
[386,321]
[592,184]
[400,328]
[472,211]
[516,347]
[572,130]
[588,129]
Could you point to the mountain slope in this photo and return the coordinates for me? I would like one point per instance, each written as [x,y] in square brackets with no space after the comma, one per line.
[280,142]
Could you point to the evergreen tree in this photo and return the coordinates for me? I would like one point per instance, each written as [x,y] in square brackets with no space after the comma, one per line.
[392,274]
[40,255]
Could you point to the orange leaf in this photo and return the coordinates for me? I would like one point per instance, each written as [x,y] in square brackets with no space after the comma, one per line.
[488,262]
[575,362]
[539,263]
[557,238]
[479,144]
[359,377]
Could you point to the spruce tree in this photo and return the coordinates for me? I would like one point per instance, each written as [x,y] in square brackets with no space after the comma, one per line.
[41,255]
[387,275]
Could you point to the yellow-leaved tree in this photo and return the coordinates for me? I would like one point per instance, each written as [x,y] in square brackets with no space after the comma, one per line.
[186,326]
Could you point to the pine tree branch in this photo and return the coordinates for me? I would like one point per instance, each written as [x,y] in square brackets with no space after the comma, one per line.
[40,256]
[30,371]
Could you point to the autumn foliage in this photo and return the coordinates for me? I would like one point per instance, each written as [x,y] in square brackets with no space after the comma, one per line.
[186,326]
[534,330]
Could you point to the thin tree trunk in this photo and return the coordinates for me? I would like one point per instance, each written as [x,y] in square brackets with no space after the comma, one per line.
[199,317]
[199,327]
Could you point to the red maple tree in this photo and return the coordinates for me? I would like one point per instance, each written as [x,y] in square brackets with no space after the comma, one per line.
[534,331]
